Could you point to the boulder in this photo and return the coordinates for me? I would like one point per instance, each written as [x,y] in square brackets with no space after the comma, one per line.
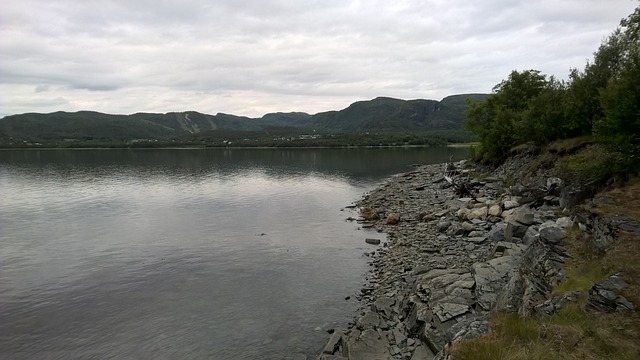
[604,295]
[514,230]
[393,219]
[463,213]
[494,210]
[497,232]
[552,234]
[370,214]
[479,213]
[523,215]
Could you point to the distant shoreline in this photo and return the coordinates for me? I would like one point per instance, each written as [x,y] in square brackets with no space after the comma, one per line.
[460,145]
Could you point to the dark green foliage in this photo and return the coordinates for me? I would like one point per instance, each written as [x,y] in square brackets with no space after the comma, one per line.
[503,119]
[603,100]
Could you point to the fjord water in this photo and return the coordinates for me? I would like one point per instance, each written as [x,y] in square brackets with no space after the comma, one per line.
[190,254]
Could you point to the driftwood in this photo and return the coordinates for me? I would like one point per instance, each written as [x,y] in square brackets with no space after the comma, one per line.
[462,186]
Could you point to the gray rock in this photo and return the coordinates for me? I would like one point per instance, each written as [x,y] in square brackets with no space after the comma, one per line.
[448,311]
[467,226]
[471,327]
[497,232]
[383,306]
[443,226]
[423,353]
[368,345]
[332,357]
[564,222]
[480,213]
[523,215]
[604,295]
[491,278]
[530,235]
[455,229]
[372,241]
[334,342]
[369,320]
[495,210]
[510,204]
[514,230]
[552,234]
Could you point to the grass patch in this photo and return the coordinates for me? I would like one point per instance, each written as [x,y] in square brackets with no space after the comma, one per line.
[528,148]
[583,267]
[569,146]
[593,164]
[571,334]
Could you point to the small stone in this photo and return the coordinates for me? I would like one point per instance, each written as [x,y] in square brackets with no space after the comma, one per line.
[477,240]
[443,226]
[429,217]
[467,226]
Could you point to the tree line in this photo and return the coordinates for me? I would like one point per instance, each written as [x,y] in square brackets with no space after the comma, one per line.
[601,101]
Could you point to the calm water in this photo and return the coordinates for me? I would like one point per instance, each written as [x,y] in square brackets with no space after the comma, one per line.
[183,254]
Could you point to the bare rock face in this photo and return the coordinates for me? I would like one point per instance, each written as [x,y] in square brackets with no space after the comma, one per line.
[454,260]
[369,344]
[605,296]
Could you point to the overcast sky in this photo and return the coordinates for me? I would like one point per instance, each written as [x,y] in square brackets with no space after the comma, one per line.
[253,57]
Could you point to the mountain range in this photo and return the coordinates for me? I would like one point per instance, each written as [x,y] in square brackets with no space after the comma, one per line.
[381,114]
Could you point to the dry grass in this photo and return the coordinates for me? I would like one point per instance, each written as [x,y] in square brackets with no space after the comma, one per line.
[571,334]
[569,146]
[584,267]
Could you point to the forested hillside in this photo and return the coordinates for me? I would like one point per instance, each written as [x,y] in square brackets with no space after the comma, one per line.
[377,115]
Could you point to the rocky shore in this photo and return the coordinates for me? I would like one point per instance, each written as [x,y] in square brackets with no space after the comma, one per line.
[453,256]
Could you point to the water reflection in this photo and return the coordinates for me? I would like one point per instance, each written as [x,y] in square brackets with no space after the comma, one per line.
[235,254]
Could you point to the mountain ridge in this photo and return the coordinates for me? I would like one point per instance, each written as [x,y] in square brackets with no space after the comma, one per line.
[381,114]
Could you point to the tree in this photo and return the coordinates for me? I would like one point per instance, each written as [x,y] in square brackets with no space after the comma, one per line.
[503,119]
[619,124]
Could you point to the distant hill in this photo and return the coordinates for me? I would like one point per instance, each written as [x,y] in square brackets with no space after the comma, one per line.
[388,114]
[377,115]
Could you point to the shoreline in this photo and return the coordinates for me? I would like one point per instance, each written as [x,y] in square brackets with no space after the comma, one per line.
[449,261]
[454,145]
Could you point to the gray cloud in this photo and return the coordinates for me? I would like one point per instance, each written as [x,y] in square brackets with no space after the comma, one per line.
[249,58]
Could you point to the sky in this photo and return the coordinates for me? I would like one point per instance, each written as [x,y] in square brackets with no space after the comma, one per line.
[254,57]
